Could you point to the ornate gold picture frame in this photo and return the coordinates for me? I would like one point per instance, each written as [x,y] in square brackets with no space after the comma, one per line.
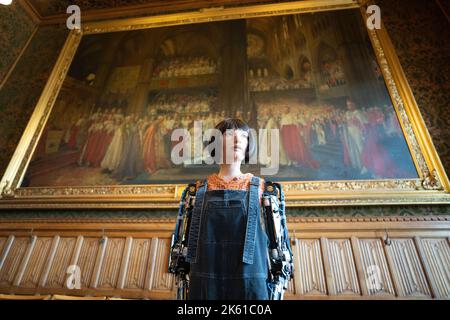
[430,186]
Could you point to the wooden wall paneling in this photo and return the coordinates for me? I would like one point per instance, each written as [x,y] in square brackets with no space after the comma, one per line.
[26,257]
[3,241]
[111,264]
[125,262]
[375,254]
[332,260]
[327,266]
[152,264]
[77,250]
[13,260]
[5,247]
[49,262]
[162,279]
[36,262]
[291,285]
[103,244]
[63,258]
[370,259]
[309,277]
[342,267]
[391,265]
[425,266]
[362,274]
[297,265]
[90,250]
[407,270]
[435,256]
[139,264]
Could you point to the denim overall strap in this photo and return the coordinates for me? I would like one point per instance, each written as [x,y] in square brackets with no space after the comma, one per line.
[194,230]
[252,221]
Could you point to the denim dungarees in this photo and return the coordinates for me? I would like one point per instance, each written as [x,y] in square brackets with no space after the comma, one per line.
[227,246]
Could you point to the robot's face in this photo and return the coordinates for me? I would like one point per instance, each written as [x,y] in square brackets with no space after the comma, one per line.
[235,143]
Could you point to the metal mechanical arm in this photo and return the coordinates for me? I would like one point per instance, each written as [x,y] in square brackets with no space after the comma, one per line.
[280,252]
[179,243]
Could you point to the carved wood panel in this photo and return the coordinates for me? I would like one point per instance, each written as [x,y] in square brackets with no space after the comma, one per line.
[138,264]
[375,271]
[407,270]
[309,275]
[110,268]
[347,263]
[342,277]
[437,259]
[57,273]
[86,262]
[12,261]
[162,280]
[34,268]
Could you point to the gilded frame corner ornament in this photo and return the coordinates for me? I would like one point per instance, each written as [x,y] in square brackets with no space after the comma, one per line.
[431,187]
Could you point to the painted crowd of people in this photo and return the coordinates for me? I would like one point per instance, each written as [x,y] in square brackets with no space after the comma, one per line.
[332,74]
[125,145]
[183,103]
[277,83]
[186,66]
[359,132]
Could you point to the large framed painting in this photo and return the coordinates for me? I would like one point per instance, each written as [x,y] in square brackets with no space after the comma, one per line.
[323,93]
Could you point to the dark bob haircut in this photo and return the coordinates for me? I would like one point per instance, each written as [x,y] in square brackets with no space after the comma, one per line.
[233,123]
